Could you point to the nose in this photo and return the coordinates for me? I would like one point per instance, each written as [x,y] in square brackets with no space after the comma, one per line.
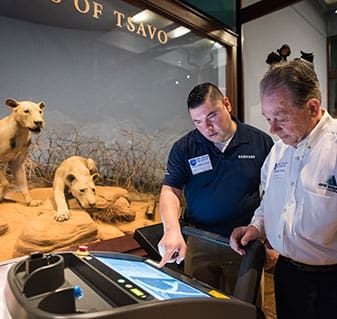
[208,125]
[273,127]
[38,123]
[92,201]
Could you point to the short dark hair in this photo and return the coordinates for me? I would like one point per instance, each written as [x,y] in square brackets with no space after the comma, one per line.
[201,92]
[298,76]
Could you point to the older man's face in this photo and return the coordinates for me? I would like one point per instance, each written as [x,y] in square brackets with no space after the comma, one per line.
[289,123]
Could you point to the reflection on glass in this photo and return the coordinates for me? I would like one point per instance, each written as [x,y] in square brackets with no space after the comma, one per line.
[80,64]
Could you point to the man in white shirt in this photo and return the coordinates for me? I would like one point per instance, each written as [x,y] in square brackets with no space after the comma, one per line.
[298,212]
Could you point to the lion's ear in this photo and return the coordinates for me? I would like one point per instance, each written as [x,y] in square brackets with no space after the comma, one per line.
[95,177]
[12,103]
[92,166]
[42,105]
[70,178]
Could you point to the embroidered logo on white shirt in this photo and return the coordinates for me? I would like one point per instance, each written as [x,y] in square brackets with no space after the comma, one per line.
[200,164]
[279,170]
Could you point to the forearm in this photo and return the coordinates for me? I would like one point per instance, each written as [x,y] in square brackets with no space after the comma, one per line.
[258,222]
[172,245]
[169,207]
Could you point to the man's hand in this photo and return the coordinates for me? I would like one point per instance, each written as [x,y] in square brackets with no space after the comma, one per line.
[271,256]
[241,236]
[172,248]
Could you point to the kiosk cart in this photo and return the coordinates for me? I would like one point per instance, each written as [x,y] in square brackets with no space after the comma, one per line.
[105,285]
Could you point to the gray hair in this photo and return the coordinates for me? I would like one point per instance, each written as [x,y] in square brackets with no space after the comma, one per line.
[297,76]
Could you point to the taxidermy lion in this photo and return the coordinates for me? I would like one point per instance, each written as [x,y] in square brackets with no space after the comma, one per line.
[15,138]
[74,178]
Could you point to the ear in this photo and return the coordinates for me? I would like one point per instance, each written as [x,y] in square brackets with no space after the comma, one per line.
[95,177]
[70,178]
[227,104]
[92,166]
[12,103]
[42,105]
[314,107]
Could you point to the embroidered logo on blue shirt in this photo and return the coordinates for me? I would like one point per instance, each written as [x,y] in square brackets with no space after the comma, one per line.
[330,185]
[246,156]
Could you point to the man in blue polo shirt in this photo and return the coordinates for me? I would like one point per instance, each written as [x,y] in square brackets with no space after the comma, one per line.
[217,166]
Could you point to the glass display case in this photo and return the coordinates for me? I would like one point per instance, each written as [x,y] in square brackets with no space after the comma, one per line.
[114,77]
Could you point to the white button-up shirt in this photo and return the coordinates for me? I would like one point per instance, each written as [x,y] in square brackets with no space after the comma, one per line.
[298,212]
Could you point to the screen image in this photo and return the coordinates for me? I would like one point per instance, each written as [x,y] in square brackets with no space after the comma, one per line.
[154,281]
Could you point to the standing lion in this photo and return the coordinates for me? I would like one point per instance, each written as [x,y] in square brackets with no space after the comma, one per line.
[15,138]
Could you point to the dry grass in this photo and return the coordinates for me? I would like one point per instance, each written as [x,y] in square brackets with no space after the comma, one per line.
[136,162]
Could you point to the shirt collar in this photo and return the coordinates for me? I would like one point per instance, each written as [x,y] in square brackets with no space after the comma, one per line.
[317,131]
[241,135]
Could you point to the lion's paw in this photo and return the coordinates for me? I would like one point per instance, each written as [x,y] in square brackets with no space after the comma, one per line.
[35,203]
[61,216]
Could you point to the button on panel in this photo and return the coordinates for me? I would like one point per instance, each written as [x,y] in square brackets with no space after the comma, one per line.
[127,285]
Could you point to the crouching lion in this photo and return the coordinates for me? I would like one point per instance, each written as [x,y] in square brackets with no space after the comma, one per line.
[15,138]
[74,178]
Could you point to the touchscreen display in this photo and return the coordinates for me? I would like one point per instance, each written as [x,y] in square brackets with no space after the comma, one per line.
[152,280]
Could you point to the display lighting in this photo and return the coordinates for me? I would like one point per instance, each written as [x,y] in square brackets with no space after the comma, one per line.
[143,16]
[178,32]
[149,17]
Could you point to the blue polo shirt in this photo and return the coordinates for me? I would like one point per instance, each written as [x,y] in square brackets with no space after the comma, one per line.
[221,189]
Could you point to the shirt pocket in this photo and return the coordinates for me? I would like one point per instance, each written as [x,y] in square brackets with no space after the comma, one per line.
[318,220]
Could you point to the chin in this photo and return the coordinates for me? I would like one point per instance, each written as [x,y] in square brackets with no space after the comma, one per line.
[215,140]
[288,141]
